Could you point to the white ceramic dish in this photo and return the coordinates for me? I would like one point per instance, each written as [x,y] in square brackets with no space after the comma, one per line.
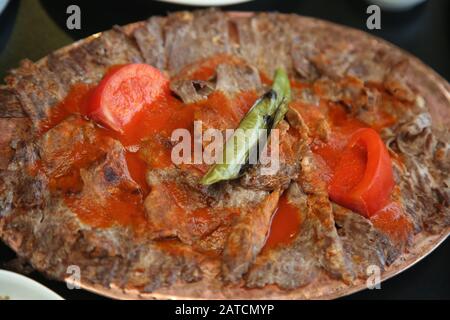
[3,4]
[397,5]
[14,286]
[206,3]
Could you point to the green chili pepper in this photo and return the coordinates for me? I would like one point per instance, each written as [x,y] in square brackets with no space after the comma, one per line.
[237,148]
[265,114]
[282,87]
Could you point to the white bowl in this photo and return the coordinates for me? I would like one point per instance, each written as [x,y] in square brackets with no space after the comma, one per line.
[397,5]
[3,4]
[205,3]
[14,286]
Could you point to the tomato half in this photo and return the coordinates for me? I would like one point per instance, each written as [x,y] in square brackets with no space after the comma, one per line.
[363,180]
[123,92]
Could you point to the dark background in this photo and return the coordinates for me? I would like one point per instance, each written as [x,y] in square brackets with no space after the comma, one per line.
[33,28]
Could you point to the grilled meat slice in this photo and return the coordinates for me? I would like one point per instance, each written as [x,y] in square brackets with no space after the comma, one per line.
[247,237]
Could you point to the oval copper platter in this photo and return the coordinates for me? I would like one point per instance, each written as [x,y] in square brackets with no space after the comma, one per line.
[432,87]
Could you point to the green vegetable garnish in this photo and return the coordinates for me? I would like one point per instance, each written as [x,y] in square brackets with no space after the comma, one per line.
[266,113]
[282,87]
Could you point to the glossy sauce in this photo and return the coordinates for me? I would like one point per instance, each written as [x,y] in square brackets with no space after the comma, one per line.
[122,209]
[392,219]
[147,145]
[75,103]
[151,129]
[285,224]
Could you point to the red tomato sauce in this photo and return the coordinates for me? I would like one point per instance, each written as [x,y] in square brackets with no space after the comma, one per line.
[285,224]
[392,219]
[75,103]
[157,119]
[168,113]
[123,209]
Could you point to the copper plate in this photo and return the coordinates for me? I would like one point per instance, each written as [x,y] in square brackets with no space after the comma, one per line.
[432,87]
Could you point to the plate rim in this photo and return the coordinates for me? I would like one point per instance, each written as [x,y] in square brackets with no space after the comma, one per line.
[343,290]
[205,3]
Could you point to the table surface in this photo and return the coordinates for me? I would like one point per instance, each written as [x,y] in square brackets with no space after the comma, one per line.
[33,28]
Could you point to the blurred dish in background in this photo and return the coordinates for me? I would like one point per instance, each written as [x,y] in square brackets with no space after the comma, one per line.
[14,286]
[206,2]
[3,4]
[396,5]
